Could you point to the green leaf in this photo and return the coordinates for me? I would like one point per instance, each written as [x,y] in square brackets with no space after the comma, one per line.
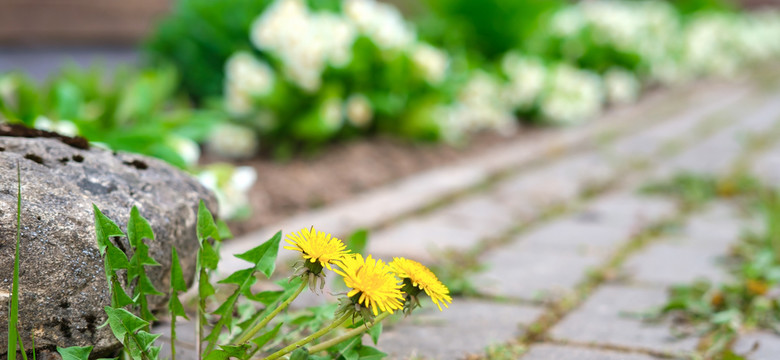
[146,287]
[115,258]
[370,353]
[146,340]
[266,337]
[75,352]
[122,299]
[104,229]
[357,242]
[209,256]
[375,331]
[177,276]
[347,348]
[264,256]
[300,354]
[138,228]
[223,230]
[206,226]
[175,307]
[239,277]
[123,322]
[205,289]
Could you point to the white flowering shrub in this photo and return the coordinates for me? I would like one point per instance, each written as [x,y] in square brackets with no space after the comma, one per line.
[317,75]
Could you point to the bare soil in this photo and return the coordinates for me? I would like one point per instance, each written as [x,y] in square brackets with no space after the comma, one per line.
[345,170]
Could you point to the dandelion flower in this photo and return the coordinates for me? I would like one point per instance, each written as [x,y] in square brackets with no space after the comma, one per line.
[417,277]
[317,247]
[373,284]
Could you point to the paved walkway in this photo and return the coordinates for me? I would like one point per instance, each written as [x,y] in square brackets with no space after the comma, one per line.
[565,242]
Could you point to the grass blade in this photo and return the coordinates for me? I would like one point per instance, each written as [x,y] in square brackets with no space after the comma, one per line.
[13,316]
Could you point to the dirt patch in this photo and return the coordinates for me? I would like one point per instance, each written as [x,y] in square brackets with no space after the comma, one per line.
[345,170]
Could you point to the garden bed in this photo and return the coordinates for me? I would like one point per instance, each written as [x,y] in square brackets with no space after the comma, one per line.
[346,170]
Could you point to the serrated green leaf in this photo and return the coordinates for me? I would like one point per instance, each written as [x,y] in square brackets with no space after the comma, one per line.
[265,297]
[300,354]
[347,348]
[229,351]
[206,226]
[358,241]
[122,299]
[266,337]
[175,307]
[375,331]
[370,353]
[239,277]
[146,340]
[146,287]
[123,322]
[138,228]
[223,230]
[115,258]
[75,352]
[177,276]
[209,257]
[264,256]
[205,289]
[105,228]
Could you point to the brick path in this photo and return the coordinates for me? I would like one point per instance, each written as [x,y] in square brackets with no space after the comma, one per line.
[564,236]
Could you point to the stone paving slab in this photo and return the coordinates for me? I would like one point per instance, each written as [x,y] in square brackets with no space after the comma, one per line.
[717,154]
[561,352]
[468,326]
[692,253]
[532,274]
[767,166]
[604,319]
[629,210]
[549,261]
[647,143]
[758,346]
[378,206]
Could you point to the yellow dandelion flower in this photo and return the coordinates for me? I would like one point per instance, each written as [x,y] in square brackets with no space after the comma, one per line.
[317,246]
[373,284]
[421,278]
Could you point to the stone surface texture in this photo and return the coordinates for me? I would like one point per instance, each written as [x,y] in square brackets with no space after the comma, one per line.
[63,287]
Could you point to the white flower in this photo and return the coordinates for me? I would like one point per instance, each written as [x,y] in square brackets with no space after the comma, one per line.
[237,101]
[306,42]
[187,149]
[480,107]
[359,110]
[381,22]
[572,95]
[568,21]
[432,61]
[232,141]
[63,127]
[527,77]
[332,114]
[248,74]
[230,185]
[622,86]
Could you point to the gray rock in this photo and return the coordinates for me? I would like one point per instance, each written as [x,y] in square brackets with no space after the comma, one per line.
[63,287]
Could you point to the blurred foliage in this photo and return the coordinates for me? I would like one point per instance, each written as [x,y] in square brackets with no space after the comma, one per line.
[199,36]
[484,30]
[694,6]
[133,111]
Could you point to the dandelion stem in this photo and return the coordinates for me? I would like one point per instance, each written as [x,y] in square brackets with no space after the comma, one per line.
[348,335]
[336,323]
[259,326]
